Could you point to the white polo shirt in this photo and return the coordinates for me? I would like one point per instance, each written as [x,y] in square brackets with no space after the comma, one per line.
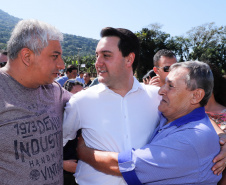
[111,122]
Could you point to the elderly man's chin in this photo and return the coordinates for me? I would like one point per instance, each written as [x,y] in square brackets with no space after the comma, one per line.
[162,106]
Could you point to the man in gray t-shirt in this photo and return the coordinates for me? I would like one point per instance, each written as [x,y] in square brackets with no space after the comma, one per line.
[31,106]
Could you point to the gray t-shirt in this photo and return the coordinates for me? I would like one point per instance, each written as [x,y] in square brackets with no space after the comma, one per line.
[31,133]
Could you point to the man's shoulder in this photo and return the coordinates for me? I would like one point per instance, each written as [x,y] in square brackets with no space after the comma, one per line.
[151,90]
[61,78]
[58,90]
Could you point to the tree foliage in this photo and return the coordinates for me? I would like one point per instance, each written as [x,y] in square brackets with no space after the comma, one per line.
[205,42]
[72,44]
[151,40]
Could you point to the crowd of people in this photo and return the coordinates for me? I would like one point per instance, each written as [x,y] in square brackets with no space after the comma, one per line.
[167,130]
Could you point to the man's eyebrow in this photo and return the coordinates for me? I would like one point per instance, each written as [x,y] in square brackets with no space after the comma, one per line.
[57,52]
[168,80]
[104,51]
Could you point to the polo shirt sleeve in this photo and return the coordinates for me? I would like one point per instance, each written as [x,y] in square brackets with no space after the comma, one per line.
[163,159]
[127,168]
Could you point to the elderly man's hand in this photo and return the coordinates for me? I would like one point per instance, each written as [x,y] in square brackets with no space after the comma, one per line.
[220,159]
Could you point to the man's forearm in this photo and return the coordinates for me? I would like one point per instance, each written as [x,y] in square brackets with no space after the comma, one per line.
[106,162]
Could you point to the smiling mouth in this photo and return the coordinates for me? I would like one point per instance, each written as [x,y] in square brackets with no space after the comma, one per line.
[101,71]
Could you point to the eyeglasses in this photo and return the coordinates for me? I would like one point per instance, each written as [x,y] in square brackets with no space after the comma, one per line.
[165,68]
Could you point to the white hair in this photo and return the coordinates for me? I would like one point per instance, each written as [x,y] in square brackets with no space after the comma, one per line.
[32,34]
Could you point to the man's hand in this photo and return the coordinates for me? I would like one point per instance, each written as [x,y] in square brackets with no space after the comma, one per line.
[106,162]
[155,81]
[220,159]
[70,165]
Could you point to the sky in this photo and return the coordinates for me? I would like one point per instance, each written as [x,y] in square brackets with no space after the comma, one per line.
[86,18]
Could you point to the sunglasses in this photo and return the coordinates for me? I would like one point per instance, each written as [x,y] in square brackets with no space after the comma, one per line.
[165,68]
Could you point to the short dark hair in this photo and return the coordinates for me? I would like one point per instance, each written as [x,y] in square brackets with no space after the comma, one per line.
[70,68]
[89,74]
[160,53]
[199,76]
[70,83]
[128,43]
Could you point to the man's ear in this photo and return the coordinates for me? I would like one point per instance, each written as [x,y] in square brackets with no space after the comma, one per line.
[155,69]
[130,59]
[197,96]
[25,55]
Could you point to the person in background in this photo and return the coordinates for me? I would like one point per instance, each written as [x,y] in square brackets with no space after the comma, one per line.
[148,76]
[71,73]
[162,61]
[73,86]
[182,146]
[69,152]
[80,77]
[3,58]
[216,106]
[87,80]
[94,82]
[31,106]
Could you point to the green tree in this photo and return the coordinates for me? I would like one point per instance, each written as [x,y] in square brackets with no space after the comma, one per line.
[151,40]
[208,43]
[89,62]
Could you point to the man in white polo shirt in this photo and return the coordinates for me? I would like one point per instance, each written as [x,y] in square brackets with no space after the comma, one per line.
[114,115]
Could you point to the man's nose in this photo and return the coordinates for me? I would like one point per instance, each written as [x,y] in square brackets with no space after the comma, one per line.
[162,90]
[60,63]
[99,61]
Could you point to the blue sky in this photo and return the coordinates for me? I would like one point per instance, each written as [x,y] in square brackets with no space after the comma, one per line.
[87,17]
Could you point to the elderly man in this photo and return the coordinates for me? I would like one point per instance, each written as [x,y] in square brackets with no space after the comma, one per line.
[31,106]
[183,145]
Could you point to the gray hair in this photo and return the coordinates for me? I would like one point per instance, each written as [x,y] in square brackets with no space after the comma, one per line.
[199,76]
[31,34]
